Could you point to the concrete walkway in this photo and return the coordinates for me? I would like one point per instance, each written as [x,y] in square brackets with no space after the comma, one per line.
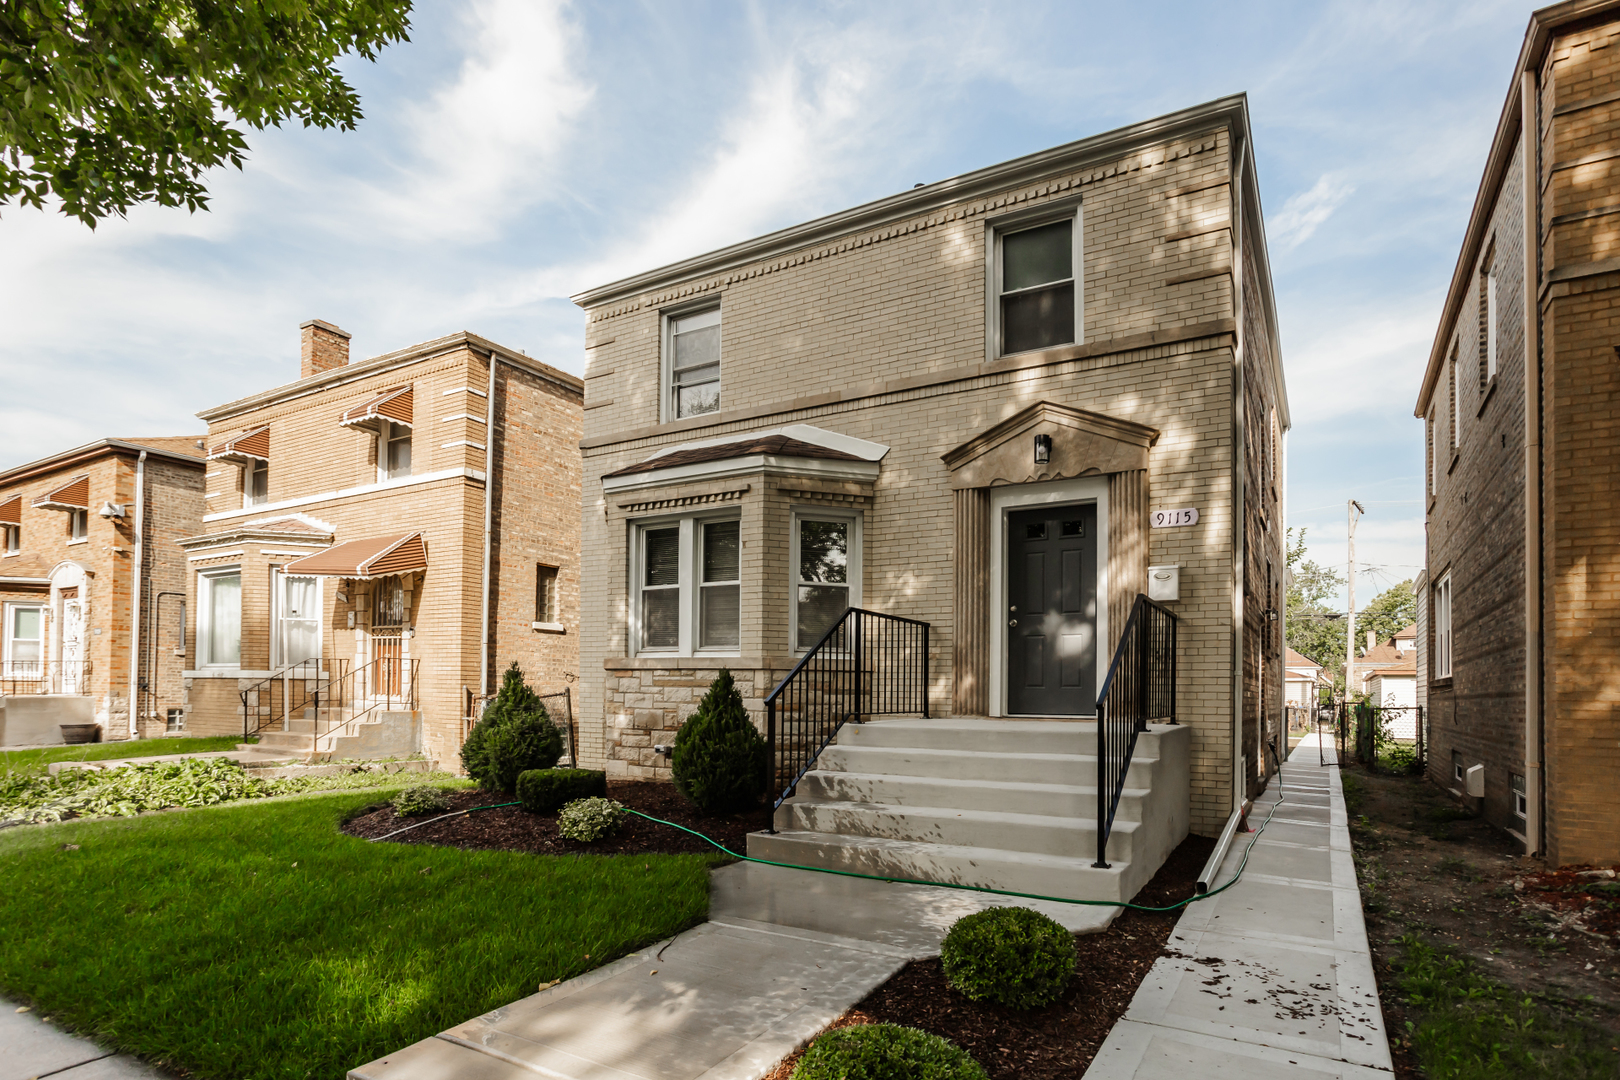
[30,1048]
[784,953]
[1274,977]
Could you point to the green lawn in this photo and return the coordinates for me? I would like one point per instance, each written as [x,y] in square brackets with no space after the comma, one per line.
[255,940]
[109,751]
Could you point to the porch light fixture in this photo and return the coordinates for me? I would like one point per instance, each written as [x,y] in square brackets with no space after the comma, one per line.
[1043,449]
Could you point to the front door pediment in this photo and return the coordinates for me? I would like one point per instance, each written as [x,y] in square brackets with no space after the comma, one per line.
[1083,443]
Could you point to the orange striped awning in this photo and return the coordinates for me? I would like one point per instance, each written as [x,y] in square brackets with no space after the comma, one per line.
[73,495]
[11,511]
[395,405]
[249,446]
[365,559]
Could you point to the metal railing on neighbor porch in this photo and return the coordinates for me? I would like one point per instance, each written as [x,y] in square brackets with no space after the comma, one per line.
[384,684]
[1141,686]
[866,664]
[45,676]
[289,692]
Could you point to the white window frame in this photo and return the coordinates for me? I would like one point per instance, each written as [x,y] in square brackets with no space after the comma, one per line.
[1444,635]
[687,605]
[278,607]
[78,523]
[389,433]
[853,573]
[995,230]
[205,607]
[248,472]
[7,612]
[11,541]
[1521,800]
[667,317]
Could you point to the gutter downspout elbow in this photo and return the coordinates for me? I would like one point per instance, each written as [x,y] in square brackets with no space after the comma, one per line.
[136,609]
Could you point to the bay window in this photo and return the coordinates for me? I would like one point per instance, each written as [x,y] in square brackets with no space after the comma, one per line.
[688,575]
[825,557]
[298,620]
[24,640]
[219,629]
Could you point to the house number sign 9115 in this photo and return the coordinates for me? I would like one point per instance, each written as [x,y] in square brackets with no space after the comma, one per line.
[1167,519]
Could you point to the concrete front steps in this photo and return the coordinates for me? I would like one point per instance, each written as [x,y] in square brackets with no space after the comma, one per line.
[1004,804]
[383,734]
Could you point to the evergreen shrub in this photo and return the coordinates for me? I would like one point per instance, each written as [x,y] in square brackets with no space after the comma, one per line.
[1010,956]
[514,736]
[885,1052]
[721,762]
[543,791]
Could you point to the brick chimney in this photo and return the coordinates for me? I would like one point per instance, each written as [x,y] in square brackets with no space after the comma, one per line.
[323,347]
[1372,635]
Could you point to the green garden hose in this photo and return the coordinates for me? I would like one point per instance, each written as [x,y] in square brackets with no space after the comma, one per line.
[897,880]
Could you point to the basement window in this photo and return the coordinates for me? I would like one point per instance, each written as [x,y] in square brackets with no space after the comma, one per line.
[1520,804]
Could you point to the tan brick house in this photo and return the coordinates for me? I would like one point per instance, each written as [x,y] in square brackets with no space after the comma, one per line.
[92,587]
[882,408]
[388,535]
[1521,603]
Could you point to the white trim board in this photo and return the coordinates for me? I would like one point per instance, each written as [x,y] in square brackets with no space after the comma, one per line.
[363,489]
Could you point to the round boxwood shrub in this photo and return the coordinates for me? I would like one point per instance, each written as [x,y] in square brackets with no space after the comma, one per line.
[885,1052]
[720,761]
[421,799]
[1011,956]
[544,790]
[588,820]
[514,736]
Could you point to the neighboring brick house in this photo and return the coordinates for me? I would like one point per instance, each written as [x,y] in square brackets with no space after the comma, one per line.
[89,576]
[1520,402]
[869,387]
[410,521]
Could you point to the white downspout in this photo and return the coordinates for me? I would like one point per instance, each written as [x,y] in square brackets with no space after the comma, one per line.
[489,511]
[1529,135]
[135,601]
[1239,477]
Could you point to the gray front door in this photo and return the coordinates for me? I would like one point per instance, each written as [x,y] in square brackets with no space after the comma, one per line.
[1052,611]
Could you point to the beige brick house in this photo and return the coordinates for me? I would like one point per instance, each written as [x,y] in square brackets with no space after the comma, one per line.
[1521,599]
[882,408]
[388,535]
[92,587]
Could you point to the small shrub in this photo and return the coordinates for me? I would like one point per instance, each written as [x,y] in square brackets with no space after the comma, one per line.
[421,799]
[885,1052]
[544,790]
[588,820]
[1010,956]
[721,762]
[514,736]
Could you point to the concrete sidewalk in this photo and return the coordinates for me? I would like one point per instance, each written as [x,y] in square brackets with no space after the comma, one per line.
[784,953]
[1273,978]
[31,1048]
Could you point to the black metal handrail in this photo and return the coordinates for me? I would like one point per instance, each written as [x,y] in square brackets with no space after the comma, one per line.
[259,705]
[383,684]
[1141,686]
[866,664]
[45,676]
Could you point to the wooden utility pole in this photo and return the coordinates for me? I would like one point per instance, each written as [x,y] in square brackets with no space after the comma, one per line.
[1353,512]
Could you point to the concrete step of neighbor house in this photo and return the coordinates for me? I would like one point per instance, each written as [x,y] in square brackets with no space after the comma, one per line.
[1005,804]
[381,734]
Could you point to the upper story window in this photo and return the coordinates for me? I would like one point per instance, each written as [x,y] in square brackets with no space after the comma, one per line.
[393,451]
[219,622]
[1442,628]
[825,559]
[547,608]
[1036,299]
[10,539]
[688,578]
[1452,367]
[692,363]
[78,524]
[1434,465]
[256,484]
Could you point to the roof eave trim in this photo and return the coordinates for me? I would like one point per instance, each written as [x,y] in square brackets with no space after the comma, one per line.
[931,197]
[726,468]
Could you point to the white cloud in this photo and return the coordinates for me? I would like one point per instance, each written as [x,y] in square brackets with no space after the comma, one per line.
[1305,212]
[1359,359]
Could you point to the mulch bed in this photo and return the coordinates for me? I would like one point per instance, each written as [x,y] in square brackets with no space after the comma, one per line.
[512,828]
[1058,1041]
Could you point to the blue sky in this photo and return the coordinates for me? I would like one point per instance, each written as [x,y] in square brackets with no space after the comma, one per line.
[517,151]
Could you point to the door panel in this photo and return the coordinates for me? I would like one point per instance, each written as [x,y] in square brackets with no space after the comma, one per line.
[1052,616]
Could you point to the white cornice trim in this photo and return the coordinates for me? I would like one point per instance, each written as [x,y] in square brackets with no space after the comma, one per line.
[768,464]
[815,436]
[344,493]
